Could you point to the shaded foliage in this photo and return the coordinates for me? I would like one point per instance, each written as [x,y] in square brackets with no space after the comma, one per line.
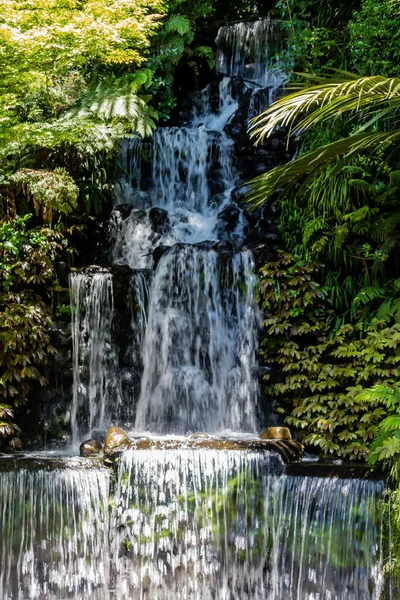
[26,265]
[323,369]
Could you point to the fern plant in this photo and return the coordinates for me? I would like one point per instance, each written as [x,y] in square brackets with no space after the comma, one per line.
[385,447]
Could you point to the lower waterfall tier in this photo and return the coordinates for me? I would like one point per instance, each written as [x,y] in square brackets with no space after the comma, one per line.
[188,525]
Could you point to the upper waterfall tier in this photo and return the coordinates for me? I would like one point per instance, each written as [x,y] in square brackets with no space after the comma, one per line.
[192,176]
[247,49]
[182,162]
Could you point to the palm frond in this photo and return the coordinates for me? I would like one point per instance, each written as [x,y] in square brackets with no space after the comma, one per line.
[328,99]
[310,164]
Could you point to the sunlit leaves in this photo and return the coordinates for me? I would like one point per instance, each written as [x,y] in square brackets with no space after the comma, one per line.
[48,190]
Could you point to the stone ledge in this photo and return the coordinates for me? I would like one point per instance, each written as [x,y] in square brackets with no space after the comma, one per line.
[118,441]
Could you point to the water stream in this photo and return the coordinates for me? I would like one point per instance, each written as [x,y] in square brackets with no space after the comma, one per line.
[231,526]
[170,348]
[54,528]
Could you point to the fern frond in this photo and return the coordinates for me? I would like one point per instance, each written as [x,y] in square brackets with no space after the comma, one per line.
[367,295]
[388,396]
[178,24]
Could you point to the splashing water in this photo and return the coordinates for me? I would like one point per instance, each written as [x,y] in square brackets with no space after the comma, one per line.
[54,527]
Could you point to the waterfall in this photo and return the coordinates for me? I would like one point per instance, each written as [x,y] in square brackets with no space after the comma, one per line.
[200,345]
[182,159]
[205,525]
[54,527]
[246,49]
[128,188]
[186,162]
[93,357]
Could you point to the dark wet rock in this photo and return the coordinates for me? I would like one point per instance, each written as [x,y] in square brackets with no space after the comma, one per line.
[230,215]
[116,441]
[200,435]
[264,224]
[121,271]
[237,88]
[276,433]
[206,245]
[122,274]
[138,215]
[159,219]
[158,253]
[275,208]
[124,210]
[271,237]
[254,236]
[90,448]
[223,246]
[62,272]
[60,337]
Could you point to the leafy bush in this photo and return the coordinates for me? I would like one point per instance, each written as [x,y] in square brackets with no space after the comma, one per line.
[26,265]
[323,370]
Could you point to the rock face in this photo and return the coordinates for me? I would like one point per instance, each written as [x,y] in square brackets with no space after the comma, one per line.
[276,433]
[90,448]
[116,441]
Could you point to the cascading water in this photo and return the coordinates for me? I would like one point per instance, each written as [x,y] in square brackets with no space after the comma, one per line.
[249,50]
[217,525]
[54,528]
[246,49]
[184,524]
[200,344]
[128,188]
[94,360]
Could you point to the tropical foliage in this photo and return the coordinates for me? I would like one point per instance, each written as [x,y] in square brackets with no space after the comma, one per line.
[319,372]
[26,265]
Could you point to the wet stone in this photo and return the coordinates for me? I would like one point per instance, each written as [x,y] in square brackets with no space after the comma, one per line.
[124,210]
[276,433]
[90,448]
[230,215]
[116,440]
[159,219]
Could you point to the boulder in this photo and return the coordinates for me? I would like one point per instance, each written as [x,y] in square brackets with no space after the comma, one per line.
[276,433]
[230,215]
[116,440]
[90,448]
[123,209]
[158,253]
[159,219]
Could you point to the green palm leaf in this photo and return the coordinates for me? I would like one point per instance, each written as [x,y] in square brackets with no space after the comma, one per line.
[328,99]
[308,165]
